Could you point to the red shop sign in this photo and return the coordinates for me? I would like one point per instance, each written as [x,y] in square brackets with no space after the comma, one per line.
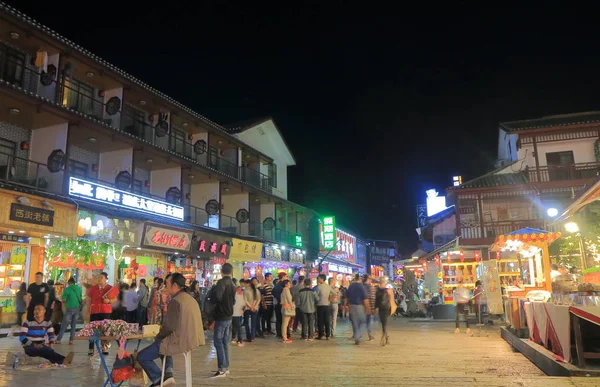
[157,237]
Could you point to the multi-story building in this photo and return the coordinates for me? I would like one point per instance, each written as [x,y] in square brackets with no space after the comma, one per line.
[61,105]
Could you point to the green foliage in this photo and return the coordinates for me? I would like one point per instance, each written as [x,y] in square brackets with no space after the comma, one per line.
[81,250]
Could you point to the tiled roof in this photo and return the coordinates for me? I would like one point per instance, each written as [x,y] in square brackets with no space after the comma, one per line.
[28,20]
[552,121]
[495,180]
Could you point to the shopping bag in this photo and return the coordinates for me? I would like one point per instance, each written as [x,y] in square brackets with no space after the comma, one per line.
[139,379]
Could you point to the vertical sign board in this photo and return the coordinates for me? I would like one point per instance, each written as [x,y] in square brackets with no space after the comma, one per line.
[328,223]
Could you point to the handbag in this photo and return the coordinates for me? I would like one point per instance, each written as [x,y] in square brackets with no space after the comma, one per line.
[291,311]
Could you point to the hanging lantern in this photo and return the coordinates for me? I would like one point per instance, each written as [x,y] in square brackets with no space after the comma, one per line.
[477,256]
[462,256]
[498,255]
[437,260]
[449,257]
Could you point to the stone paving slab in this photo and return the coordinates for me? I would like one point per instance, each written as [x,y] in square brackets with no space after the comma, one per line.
[420,354]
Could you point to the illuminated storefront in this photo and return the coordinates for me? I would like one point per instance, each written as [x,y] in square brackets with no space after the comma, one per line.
[276,259]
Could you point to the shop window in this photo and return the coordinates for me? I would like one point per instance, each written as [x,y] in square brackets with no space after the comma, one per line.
[12,65]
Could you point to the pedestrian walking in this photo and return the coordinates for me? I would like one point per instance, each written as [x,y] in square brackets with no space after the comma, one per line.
[72,299]
[144,298]
[461,301]
[252,300]
[223,296]
[306,303]
[238,315]
[267,305]
[324,293]
[384,302]
[288,310]
[334,305]
[371,291]
[358,301]
[37,294]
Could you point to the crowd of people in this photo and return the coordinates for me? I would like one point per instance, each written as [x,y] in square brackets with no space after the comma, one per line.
[237,311]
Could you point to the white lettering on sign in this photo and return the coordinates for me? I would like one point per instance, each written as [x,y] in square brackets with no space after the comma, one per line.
[108,195]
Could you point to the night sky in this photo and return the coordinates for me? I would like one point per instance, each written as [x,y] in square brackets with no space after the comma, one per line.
[377,105]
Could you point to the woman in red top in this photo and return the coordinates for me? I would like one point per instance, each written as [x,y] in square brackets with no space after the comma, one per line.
[100,298]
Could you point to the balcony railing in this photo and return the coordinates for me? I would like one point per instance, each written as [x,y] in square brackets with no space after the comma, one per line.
[564,172]
[26,173]
[83,98]
[493,229]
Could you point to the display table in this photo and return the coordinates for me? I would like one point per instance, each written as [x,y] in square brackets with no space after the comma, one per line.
[550,325]
[96,340]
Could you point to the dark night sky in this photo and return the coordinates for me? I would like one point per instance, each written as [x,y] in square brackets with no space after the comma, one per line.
[377,105]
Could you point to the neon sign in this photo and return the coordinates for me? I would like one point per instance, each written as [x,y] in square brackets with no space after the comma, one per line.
[328,232]
[116,197]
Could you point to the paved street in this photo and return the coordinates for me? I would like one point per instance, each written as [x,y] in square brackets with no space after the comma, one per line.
[420,354]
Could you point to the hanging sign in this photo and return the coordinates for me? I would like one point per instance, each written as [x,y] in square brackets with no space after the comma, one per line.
[118,198]
[245,251]
[210,246]
[296,257]
[170,239]
[328,240]
[33,215]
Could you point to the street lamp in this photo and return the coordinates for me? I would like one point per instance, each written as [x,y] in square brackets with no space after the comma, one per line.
[573,228]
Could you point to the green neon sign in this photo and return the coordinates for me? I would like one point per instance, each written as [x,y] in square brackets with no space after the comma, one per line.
[328,232]
[298,241]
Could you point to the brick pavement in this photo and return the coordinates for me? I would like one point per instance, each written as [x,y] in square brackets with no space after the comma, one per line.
[420,354]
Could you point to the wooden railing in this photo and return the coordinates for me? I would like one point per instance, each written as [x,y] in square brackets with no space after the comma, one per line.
[493,229]
[563,172]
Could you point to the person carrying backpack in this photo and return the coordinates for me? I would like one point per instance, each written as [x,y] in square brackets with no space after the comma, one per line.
[385,304]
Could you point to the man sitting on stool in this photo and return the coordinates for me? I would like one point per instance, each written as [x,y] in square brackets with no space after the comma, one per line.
[33,335]
[181,331]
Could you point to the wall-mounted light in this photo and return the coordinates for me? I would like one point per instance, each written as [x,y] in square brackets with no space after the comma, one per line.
[95,167]
[24,200]
[185,124]
[47,204]
[142,102]
[191,175]
[572,227]
[14,111]
[552,212]
[220,142]
[89,74]
[149,160]
[24,145]
[147,183]
[92,139]
[14,35]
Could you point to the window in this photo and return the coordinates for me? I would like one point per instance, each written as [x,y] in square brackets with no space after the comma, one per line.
[80,96]
[273,175]
[178,141]
[133,121]
[560,165]
[12,65]
[78,169]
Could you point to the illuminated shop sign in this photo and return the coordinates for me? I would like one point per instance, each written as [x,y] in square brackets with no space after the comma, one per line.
[328,224]
[298,241]
[166,238]
[340,268]
[115,197]
[435,203]
[208,246]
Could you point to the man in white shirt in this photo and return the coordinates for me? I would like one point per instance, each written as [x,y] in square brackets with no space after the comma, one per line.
[324,293]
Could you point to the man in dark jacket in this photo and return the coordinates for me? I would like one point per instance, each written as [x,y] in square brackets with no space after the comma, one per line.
[223,295]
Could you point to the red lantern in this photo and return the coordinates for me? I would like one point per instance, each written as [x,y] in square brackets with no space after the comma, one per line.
[462,256]
[449,257]
[477,257]
[498,255]
[437,260]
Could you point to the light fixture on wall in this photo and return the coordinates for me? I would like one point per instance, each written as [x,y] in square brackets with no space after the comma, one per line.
[191,175]
[24,200]
[14,111]
[14,35]
[226,189]
[142,102]
[149,160]
[47,204]
[89,74]
[220,142]
[185,124]
[92,139]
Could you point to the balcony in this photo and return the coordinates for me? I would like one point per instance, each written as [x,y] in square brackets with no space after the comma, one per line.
[84,99]
[491,230]
[565,172]
[28,174]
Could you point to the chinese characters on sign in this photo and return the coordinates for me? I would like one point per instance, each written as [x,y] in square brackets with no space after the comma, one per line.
[245,251]
[34,215]
[18,255]
[213,247]
[296,257]
[13,238]
[108,195]
[298,241]
[272,253]
[328,224]
[166,238]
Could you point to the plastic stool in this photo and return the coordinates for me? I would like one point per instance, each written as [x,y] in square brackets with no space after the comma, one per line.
[188,369]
